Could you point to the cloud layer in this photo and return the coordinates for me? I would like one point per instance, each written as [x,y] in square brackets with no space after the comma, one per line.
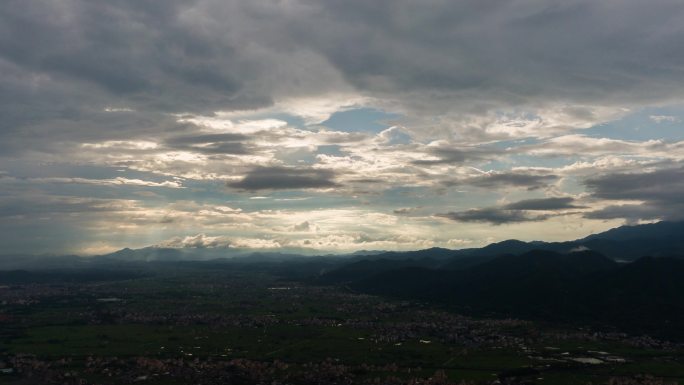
[335,126]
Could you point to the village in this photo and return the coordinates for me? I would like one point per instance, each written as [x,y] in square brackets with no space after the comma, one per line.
[227,329]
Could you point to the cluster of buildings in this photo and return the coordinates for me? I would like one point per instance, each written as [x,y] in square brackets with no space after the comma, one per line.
[248,305]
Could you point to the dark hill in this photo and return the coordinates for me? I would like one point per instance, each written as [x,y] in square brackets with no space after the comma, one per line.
[584,287]
[432,253]
[651,231]
[511,246]
[367,268]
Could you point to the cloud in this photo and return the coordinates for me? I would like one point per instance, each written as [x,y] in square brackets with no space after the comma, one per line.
[210,143]
[181,95]
[502,53]
[631,213]
[496,216]
[515,212]
[451,155]
[530,180]
[664,119]
[118,181]
[304,226]
[404,210]
[46,206]
[111,182]
[285,178]
[662,186]
[209,55]
[543,204]
[199,241]
[658,193]
[122,145]
[568,145]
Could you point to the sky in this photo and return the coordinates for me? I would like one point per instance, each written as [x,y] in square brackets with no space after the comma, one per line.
[333,126]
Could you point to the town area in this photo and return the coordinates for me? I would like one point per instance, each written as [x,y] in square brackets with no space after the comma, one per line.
[204,326]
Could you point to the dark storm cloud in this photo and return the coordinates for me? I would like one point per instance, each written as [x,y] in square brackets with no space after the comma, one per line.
[514,212]
[456,155]
[660,190]
[543,204]
[630,213]
[210,54]
[665,185]
[285,178]
[211,144]
[508,50]
[62,60]
[511,179]
[493,215]
[138,50]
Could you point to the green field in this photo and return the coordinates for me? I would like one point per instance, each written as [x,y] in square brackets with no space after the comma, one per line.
[245,325]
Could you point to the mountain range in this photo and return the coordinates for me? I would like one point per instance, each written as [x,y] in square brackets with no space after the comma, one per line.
[630,277]
[598,280]
[625,243]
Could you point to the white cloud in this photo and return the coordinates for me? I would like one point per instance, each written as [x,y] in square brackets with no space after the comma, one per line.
[122,145]
[196,241]
[119,181]
[664,119]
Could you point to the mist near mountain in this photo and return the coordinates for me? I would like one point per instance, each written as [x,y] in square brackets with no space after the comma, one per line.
[625,243]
